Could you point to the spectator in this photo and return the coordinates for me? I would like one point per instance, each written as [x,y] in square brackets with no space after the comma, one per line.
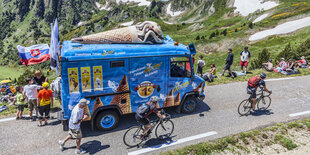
[78,115]
[30,91]
[229,62]
[245,59]
[302,63]
[39,79]
[268,66]
[282,65]
[44,102]
[200,64]
[290,65]
[211,74]
[20,101]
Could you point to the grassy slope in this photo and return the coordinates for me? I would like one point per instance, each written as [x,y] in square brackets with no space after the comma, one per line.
[252,142]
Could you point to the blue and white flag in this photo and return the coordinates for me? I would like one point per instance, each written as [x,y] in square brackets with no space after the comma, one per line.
[54,47]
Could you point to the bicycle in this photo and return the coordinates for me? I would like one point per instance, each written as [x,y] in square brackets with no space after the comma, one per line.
[163,130]
[246,105]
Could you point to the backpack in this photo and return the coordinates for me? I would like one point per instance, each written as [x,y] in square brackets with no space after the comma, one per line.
[142,109]
[253,81]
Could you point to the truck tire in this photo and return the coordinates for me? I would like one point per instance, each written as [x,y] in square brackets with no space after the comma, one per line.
[190,105]
[107,120]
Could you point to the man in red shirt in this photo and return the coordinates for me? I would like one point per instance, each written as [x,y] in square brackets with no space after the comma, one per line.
[44,101]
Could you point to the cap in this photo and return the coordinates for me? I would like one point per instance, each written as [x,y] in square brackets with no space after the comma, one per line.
[83,101]
[37,72]
[45,84]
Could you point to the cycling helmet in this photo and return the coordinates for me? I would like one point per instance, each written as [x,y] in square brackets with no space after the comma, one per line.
[263,75]
[154,99]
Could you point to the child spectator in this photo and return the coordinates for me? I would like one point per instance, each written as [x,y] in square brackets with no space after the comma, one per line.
[20,102]
[44,102]
[30,90]
[268,66]
[200,64]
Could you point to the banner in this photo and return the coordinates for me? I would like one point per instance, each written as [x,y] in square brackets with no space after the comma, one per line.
[54,49]
[86,86]
[34,54]
[98,77]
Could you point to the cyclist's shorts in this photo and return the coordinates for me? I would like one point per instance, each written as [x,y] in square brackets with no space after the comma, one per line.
[142,120]
[251,91]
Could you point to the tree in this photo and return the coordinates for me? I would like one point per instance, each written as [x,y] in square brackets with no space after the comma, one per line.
[23,8]
[251,25]
[287,53]
[198,38]
[40,9]
[236,30]
[262,57]
[224,32]
[212,35]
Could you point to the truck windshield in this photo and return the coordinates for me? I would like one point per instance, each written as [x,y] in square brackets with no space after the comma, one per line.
[180,67]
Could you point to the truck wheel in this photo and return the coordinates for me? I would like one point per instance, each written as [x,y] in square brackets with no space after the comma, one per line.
[189,105]
[107,120]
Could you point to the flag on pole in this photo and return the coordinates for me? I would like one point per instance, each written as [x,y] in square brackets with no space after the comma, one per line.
[54,49]
[34,54]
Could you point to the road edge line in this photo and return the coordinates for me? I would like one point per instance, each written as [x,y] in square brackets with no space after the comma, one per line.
[180,141]
[299,113]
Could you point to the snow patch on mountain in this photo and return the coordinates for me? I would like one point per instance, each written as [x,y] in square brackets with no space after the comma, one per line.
[140,2]
[171,13]
[260,18]
[103,7]
[245,7]
[284,28]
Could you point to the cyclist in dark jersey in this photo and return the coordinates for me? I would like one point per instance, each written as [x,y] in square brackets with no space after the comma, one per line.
[252,90]
[145,110]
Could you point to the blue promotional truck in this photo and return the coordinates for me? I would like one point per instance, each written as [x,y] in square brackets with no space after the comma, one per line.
[118,78]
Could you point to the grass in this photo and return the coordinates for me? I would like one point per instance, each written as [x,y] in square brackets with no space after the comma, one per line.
[8,72]
[242,143]
[13,109]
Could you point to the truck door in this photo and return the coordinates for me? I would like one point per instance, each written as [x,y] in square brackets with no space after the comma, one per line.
[148,77]
[180,80]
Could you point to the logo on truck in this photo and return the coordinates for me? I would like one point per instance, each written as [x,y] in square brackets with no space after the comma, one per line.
[146,89]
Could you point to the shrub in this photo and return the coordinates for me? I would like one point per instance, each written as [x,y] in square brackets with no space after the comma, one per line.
[262,57]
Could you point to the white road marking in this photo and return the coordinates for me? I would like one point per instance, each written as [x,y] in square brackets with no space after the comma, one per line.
[11,118]
[180,141]
[299,113]
[289,78]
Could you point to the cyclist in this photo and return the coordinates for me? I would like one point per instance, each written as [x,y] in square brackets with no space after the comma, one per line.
[253,83]
[144,111]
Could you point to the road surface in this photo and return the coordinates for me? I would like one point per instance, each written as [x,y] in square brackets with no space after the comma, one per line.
[216,117]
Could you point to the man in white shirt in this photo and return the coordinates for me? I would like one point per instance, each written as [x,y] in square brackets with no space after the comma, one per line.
[245,59]
[31,92]
[77,116]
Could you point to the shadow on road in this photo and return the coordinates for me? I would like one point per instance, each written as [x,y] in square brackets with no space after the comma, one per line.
[94,146]
[156,143]
[261,112]
[127,121]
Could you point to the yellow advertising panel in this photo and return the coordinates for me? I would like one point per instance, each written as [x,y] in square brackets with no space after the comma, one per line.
[86,82]
[98,77]
[73,80]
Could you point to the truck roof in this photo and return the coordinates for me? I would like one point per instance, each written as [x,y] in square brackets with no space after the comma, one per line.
[76,51]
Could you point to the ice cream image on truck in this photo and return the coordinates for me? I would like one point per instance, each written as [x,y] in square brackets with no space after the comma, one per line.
[119,82]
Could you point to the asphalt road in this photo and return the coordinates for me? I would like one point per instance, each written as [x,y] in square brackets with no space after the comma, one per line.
[216,117]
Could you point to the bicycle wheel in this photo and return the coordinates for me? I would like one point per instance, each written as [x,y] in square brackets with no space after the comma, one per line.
[164,129]
[131,136]
[244,107]
[264,103]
